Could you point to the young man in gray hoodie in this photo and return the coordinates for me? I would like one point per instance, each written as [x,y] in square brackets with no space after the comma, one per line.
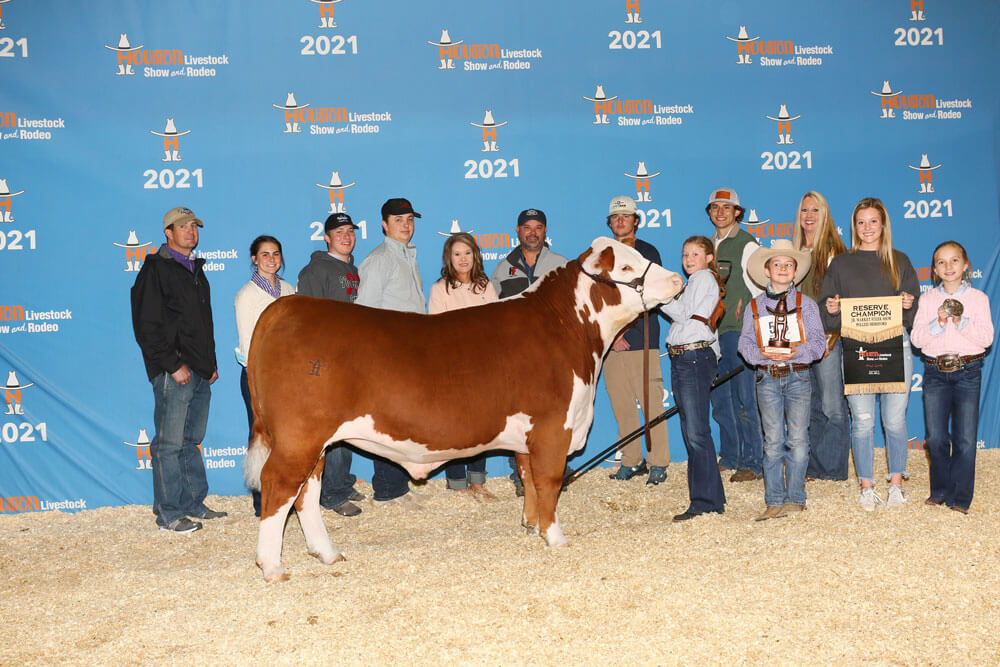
[332,275]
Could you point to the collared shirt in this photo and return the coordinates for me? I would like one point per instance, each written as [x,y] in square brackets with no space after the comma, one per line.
[272,290]
[698,298]
[187,261]
[390,278]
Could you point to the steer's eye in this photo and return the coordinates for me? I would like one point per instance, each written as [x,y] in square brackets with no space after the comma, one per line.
[626,267]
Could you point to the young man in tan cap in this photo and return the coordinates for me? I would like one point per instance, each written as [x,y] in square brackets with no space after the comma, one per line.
[623,367]
[172,321]
[782,335]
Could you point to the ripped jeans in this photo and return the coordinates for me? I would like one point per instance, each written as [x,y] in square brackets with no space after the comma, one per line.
[893,408]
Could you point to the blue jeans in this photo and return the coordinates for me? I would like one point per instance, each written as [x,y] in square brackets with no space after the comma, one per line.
[389,480]
[952,397]
[180,415]
[338,482]
[691,375]
[829,436]
[456,477]
[893,407]
[734,407]
[784,413]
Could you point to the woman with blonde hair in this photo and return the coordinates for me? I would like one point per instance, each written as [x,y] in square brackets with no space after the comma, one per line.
[874,268]
[829,440]
[463,283]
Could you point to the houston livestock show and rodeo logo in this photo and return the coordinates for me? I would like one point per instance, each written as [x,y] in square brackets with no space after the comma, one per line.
[777,52]
[635,112]
[920,105]
[329,119]
[162,62]
[482,57]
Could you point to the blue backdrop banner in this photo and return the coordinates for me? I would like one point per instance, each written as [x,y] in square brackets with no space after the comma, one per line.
[265,117]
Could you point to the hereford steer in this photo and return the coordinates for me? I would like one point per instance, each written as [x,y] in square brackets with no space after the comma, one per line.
[519,374]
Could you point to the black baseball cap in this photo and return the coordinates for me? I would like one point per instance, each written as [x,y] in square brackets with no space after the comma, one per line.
[531,214]
[338,220]
[398,206]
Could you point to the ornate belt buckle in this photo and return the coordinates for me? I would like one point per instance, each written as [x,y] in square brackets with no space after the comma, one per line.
[949,363]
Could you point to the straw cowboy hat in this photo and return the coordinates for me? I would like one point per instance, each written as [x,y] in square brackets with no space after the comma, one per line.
[779,248]
[445,39]
[170,130]
[599,96]
[455,229]
[752,218]
[335,183]
[925,164]
[290,103]
[5,191]
[640,172]
[742,36]
[141,441]
[133,241]
[488,121]
[783,114]
[123,44]
[886,90]
[13,383]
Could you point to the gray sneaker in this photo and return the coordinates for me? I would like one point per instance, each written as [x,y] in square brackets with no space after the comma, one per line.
[896,497]
[209,514]
[182,525]
[869,500]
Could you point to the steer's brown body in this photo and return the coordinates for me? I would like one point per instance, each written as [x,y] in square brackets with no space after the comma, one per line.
[421,390]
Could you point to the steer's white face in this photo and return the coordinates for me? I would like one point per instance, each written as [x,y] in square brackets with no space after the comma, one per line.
[660,285]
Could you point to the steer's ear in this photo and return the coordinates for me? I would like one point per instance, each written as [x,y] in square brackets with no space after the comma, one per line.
[606,261]
[586,253]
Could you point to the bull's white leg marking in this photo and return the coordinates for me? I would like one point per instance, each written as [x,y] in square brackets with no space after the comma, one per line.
[554,536]
[269,543]
[311,520]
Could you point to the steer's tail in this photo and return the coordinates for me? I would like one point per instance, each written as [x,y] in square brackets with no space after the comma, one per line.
[257,453]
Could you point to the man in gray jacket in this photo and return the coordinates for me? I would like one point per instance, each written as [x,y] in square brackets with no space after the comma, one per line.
[530,260]
[332,275]
[525,264]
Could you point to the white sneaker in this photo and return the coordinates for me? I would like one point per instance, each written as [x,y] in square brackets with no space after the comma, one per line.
[869,499]
[896,497]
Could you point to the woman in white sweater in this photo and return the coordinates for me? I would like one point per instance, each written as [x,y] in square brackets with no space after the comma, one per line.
[463,283]
[263,288]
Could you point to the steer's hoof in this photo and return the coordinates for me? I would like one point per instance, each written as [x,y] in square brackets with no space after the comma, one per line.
[336,557]
[273,574]
[554,536]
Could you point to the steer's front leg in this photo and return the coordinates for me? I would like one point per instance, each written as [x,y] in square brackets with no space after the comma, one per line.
[529,515]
